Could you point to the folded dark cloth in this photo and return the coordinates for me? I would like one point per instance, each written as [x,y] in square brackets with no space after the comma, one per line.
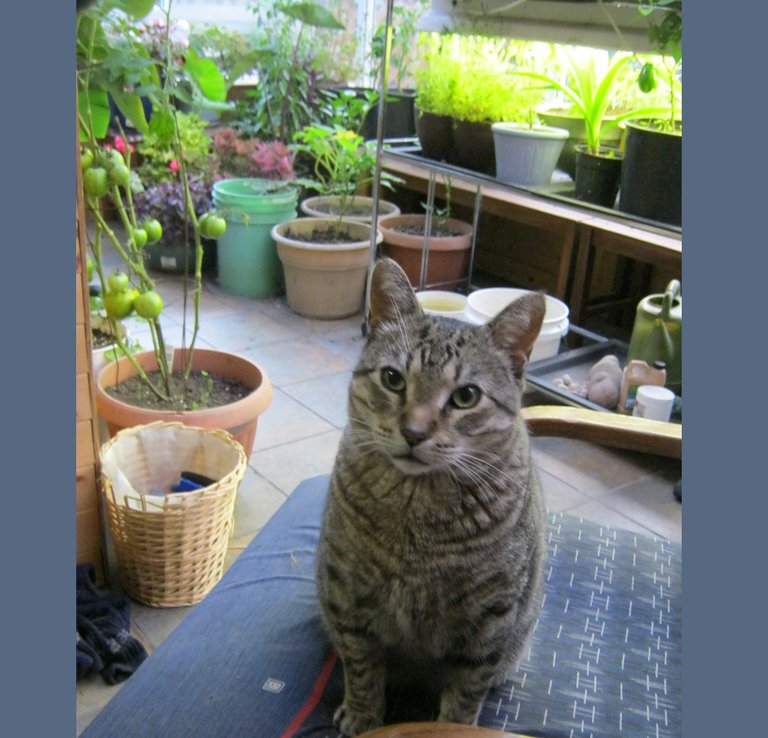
[104,642]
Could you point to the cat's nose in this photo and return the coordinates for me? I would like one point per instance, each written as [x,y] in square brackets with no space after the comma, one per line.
[413,437]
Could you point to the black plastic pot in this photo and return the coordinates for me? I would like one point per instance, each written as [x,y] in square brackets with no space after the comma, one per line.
[473,147]
[399,117]
[598,175]
[651,179]
[435,135]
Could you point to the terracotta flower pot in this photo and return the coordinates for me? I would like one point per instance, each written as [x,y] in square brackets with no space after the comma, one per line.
[447,254]
[238,418]
[324,280]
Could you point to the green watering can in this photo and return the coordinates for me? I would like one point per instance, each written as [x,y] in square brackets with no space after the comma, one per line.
[658,333]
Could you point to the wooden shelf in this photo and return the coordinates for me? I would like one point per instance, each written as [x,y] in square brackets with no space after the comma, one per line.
[580,230]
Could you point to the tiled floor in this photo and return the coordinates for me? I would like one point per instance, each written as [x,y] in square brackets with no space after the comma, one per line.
[309,364]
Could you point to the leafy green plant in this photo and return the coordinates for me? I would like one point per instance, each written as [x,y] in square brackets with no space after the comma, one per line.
[472,78]
[591,88]
[665,35]
[158,162]
[402,46]
[111,61]
[342,163]
[285,99]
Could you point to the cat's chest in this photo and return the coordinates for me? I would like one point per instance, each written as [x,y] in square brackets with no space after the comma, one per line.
[421,610]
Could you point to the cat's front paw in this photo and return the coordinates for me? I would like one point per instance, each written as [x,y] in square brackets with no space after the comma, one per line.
[351,723]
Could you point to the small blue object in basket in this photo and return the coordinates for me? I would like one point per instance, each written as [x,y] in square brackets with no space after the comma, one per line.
[190,481]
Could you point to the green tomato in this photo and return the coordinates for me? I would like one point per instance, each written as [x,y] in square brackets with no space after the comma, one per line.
[89,268]
[119,305]
[120,175]
[148,305]
[116,158]
[153,230]
[214,226]
[646,80]
[86,159]
[139,236]
[118,281]
[96,182]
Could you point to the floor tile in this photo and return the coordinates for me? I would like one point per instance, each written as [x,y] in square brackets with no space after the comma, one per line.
[157,623]
[285,466]
[257,500]
[288,362]
[288,419]
[598,512]
[326,396]
[243,332]
[589,468]
[558,495]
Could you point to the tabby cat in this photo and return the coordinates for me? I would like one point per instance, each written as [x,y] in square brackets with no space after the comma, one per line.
[432,550]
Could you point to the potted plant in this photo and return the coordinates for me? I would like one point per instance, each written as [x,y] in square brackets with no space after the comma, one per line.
[165,203]
[187,384]
[399,118]
[256,191]
[468,79]
[447,243]
[325,259]
[342,162]
[287,40]
[651,180]
[590,83]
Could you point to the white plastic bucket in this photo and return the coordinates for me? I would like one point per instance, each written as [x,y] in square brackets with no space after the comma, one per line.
[482,305]
[443,302]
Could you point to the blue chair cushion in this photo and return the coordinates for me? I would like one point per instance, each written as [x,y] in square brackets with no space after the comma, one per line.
[252,659]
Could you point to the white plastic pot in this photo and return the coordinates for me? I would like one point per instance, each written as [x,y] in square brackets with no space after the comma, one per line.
[482,305]
[443,302]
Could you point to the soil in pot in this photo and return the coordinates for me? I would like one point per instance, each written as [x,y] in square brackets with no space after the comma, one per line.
[101,339]
[321,235]
[203,391]
[436,232]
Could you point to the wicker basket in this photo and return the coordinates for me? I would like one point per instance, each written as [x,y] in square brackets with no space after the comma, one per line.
[170,546]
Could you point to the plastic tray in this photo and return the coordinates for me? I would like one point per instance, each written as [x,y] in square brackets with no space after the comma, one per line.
[577,363]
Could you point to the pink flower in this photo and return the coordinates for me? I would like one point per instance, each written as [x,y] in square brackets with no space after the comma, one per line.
[120,145]
[174,166]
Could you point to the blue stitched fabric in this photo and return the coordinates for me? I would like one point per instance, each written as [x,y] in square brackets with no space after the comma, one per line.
[252,661]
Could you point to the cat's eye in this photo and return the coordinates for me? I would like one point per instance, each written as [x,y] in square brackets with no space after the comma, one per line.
[466,397]
[392,379]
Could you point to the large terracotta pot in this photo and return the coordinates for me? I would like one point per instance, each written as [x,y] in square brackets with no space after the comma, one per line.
[238,418]
[447,257]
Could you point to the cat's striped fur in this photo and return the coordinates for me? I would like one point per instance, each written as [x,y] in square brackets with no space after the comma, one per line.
[432,551]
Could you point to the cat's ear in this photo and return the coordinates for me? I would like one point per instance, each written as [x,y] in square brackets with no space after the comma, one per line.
[517,326]
[392,297]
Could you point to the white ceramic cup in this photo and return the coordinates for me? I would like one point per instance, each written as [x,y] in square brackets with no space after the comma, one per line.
[654,402]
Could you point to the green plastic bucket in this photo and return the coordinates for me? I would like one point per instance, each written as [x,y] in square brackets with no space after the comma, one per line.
[246,254]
